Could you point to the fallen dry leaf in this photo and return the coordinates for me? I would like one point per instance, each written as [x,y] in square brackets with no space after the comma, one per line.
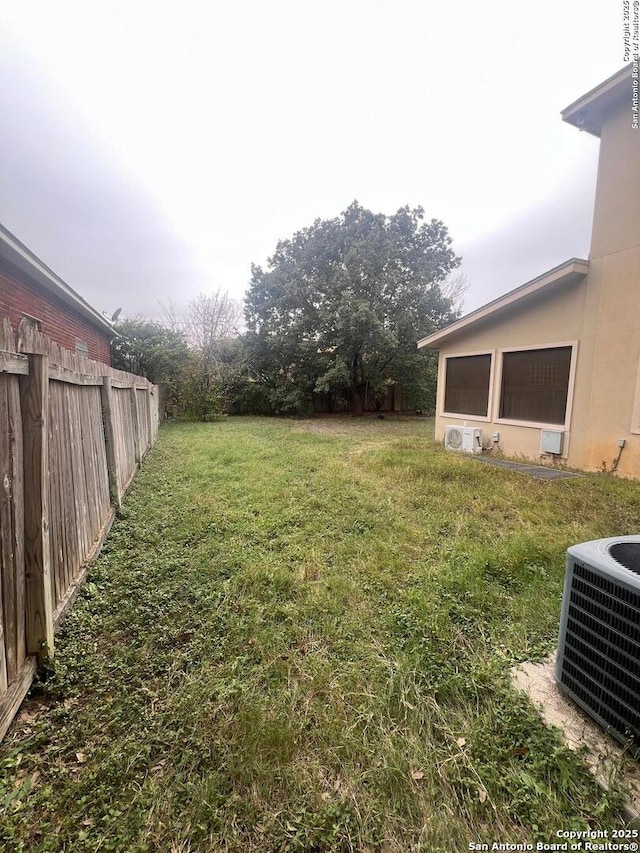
[417,774]
[461,742]
[482,795]
[28,716]
[81,757]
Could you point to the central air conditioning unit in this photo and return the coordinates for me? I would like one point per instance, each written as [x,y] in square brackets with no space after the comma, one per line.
[598,663]
[463,439]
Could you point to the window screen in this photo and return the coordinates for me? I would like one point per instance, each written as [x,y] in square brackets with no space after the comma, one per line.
[467,385]
[535,384]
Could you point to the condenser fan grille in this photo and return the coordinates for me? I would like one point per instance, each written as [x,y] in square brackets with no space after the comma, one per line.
[454,439]
[627,554]
[600,663]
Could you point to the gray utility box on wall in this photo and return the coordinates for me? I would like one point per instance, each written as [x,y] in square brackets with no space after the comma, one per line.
[598,662]
[551,441]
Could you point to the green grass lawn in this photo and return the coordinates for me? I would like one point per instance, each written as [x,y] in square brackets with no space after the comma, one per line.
[298,637]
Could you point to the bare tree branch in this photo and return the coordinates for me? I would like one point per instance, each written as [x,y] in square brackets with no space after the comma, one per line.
[454,288]
[209,324]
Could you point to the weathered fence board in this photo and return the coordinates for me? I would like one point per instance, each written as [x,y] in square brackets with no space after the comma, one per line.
[7,614]
[143,400]
[35,412]
[16,476]
[11,524]
[79,481]
[111,442]
[57,533]
[72,435]
[9,575]
[12,565]
[125,447]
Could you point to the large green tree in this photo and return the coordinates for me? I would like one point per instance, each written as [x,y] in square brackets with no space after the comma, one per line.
[149,348]
[343,303]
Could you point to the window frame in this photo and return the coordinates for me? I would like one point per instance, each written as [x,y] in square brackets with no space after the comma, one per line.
[635,411]
[570,386]
[443,383]
[35,322]
[80,347]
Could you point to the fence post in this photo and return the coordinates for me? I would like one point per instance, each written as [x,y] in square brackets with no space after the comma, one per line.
[38,587]
[149,414]
[151,400]
[106,397]
[135,417]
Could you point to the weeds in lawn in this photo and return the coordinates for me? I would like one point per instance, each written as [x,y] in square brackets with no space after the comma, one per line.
[300,640]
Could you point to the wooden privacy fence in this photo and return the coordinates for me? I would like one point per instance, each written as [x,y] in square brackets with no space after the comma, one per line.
[73,433]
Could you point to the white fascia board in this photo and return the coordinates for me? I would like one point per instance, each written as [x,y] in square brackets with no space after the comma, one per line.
[569,271]
[590,110]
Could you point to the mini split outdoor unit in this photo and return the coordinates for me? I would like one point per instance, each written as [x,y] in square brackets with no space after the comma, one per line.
[463,439]
[598,663]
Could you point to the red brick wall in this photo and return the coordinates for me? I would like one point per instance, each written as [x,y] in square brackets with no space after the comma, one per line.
[59,321]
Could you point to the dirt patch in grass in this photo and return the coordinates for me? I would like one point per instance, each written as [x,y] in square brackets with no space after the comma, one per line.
[367,446]
[348,425]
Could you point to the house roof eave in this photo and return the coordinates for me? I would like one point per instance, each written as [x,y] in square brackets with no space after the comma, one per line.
[24,259]
[570,271]
[589,111]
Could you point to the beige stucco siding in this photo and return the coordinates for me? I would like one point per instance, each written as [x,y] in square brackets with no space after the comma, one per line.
[614,367]
[552,318]
[613,305]
[616,218]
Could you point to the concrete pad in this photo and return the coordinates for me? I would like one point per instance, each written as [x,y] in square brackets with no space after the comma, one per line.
[541,472]
[603,755]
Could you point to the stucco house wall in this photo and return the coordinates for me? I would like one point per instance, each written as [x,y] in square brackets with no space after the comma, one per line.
[592,305]
[613,310]
[553,319]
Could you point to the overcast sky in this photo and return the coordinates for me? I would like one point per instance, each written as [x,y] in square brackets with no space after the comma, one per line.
[152,150]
